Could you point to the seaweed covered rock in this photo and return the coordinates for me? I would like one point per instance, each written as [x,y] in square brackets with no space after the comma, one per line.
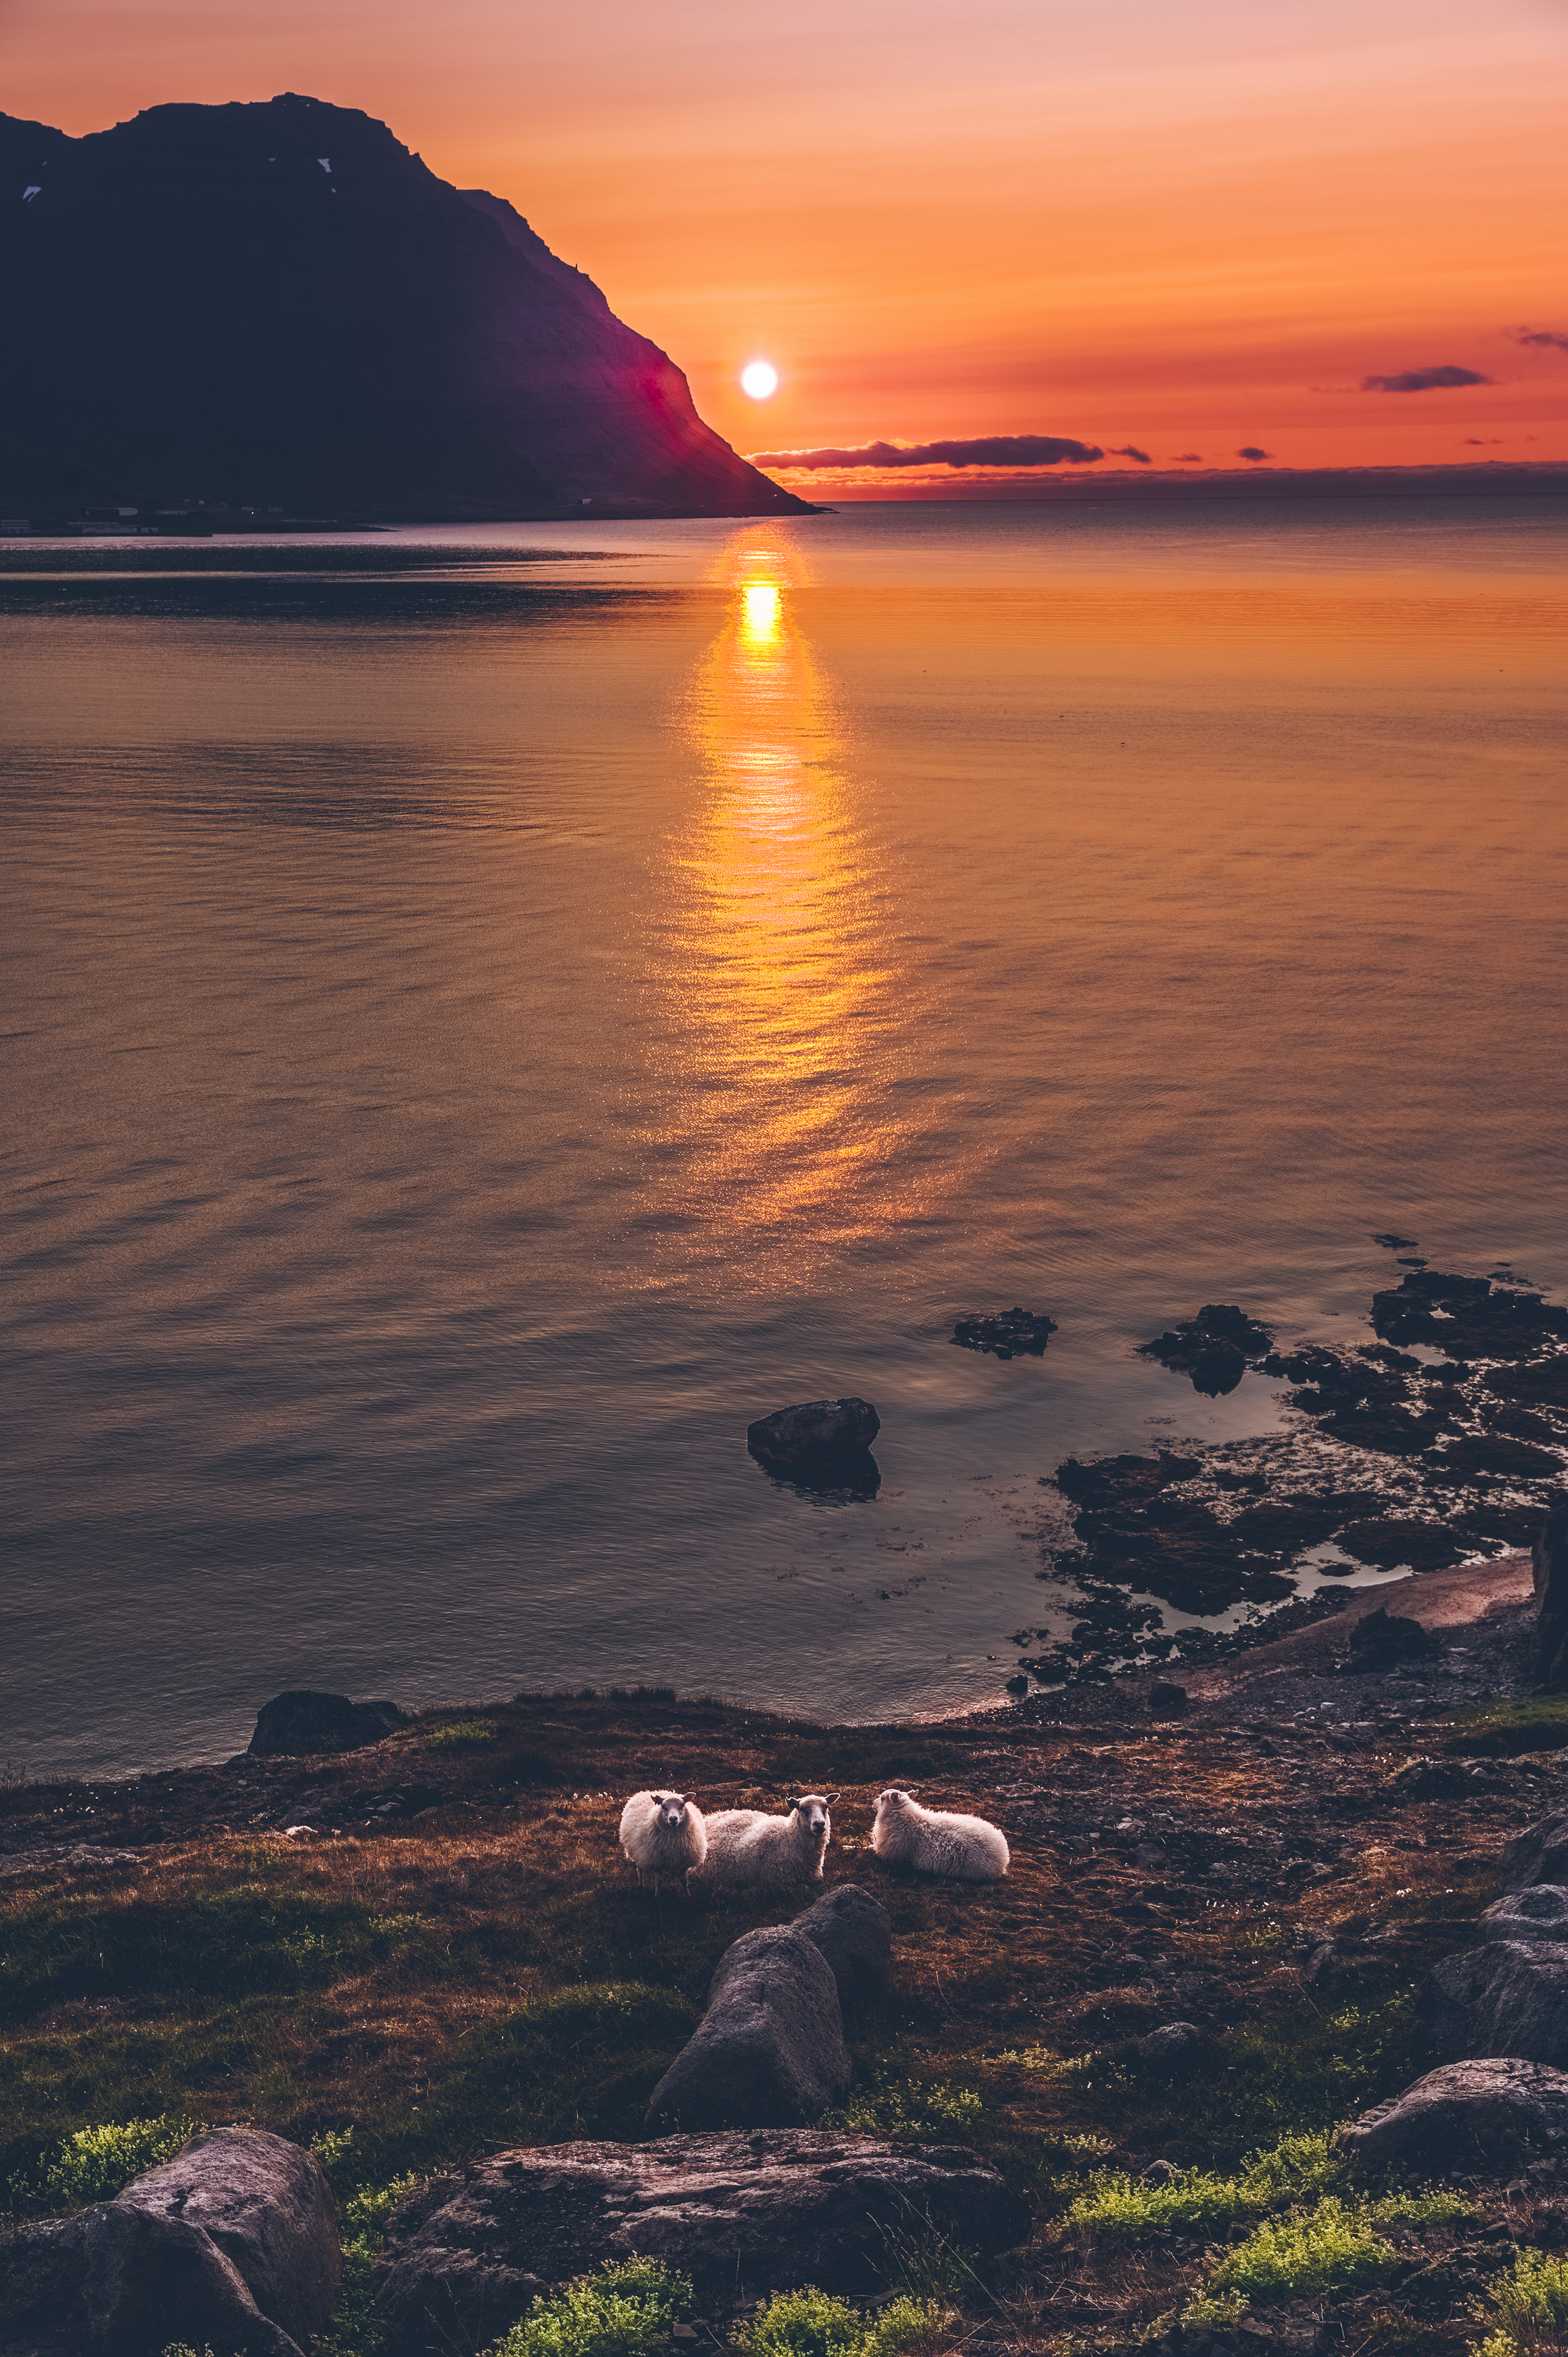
[1469,1317]
[1213,1348]
[1482,2115]
[738,2214]
[1010,1333]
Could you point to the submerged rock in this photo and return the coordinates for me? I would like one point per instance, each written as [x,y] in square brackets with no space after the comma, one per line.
[741,2214]
[1479,2115]
[1014,1332]
[1213,1348]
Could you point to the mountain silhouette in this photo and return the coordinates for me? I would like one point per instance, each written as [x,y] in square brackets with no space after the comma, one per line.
[277,304]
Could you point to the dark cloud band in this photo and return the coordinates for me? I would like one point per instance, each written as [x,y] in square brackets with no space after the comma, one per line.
[1427,380]
[989,450]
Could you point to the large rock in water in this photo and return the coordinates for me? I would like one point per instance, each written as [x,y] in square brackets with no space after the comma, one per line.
[1478,2115]
[816,1434]
[740,2214]
[854,1933]
[769,2050]
[119,2281]
[1507,1998]
[266,2205]
[278,304]
[303,1721]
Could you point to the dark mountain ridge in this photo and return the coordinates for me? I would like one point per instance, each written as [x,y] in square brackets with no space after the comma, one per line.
[278,304]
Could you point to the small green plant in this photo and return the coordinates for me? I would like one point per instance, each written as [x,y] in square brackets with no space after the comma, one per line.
[1328,2248]
[1122,2208]
[353,2331]
[625,2309]
[401,1931]
[907,2328]
[95,2164]
[810,2323]
[1529,2309]
[888,2103]
[462,1735]
[1432,2209]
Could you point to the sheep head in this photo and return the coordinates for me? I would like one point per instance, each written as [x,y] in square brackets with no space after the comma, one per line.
[813,1807]
[671,1807]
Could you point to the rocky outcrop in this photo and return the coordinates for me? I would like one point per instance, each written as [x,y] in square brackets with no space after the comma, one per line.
[1010,1333]
[1549,1557]
[119,2281]
[1481,2115]
[815,1436]
[266,2205]
[740,2214]
[302,315]
[769,2050]
[1213,1348]
[1538,1854]
[854,1933]
[1509,1998]
[1538,1913]
[304,1722]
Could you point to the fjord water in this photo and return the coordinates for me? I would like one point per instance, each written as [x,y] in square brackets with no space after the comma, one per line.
[477,1040]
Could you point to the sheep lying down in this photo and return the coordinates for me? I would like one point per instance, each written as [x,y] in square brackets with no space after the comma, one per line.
[937,1841]
[663,1835]
[749,1850]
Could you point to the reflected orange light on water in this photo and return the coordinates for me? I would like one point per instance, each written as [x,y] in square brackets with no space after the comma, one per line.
[779,968]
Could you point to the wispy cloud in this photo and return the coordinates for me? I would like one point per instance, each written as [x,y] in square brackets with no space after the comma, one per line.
[987,450]
[1426,380]
[1252,451]
[1127,451]
[1190,457]
[1548,336]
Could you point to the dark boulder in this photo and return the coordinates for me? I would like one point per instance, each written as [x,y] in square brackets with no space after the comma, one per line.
[818,1433]
[1509,1998]
[303,1721]
[769,2050]
[1021,1333]
[1382,1639]
[854,1933]
[1483,2115]
[1167,1700]
[1550,1556]
[1538,1913]
[740,2214]
[1212,1347]
[120,2281]
[266,2205]
[1174,2041]
[1538,1855]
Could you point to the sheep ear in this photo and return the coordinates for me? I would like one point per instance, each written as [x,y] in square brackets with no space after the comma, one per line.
[828,1799]
[794,1801]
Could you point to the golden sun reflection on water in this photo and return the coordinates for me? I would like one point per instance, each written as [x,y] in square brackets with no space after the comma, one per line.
[777,968]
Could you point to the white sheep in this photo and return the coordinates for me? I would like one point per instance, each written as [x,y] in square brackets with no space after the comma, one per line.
[749,1849]
[663,1833]
[933,1841]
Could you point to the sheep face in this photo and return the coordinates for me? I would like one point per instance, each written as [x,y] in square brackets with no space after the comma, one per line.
[813,1808]
[671,1807]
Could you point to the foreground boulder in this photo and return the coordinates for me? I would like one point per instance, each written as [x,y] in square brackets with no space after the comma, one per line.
[817,1435]
[854,1933]
[1507,1998]
[304,1722]
[1539,1913]
[1470,2116]
[740,2214]
[769,2050]
[120,2281]
[1538,1855]
[266,2205]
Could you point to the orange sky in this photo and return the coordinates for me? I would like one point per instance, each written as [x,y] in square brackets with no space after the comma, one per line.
[1184,229]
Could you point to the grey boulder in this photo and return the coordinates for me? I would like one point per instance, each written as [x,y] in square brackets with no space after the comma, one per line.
[1538,1913]
[303,1722]
[769,2050]
[1169,2042]
[739,2214]
[1538,1855]
[1509,1998]
[815,1433]
[266,2205]
[1485,2113]
[854,1933]
[119,2281]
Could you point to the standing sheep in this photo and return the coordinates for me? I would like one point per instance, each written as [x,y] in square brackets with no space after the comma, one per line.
[663,1833]
[933,1842]
[749,1850]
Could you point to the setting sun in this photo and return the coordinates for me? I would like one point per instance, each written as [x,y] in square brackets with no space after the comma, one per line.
[760,378]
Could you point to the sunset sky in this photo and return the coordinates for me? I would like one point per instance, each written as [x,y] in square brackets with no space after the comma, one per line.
[1184,233]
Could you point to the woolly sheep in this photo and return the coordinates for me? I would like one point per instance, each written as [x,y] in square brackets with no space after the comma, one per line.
[933,1842]
[663,1833]
[748,1849]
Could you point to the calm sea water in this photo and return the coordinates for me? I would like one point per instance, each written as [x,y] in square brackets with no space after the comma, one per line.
[474,1042]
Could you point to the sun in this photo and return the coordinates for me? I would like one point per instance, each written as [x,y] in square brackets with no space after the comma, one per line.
[760,378]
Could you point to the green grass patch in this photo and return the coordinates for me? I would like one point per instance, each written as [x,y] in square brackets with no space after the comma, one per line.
[1502,1730]
[888,2101]
[353,2330]
[625,2310]
[1334,2246]
[95,2164]
[1528,2312]
[462,1735]
[810,2323]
